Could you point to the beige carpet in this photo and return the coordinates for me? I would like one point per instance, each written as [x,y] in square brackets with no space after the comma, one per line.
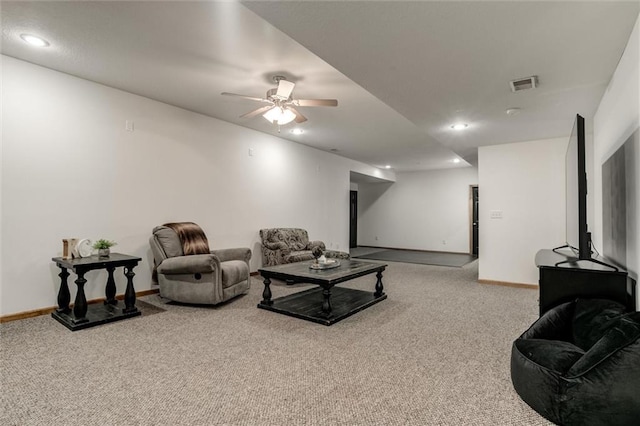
[436,352]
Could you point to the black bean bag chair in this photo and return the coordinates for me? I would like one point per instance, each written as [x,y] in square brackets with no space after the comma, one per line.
[579,364]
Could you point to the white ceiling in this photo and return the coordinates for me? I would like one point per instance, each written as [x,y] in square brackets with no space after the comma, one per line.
[403,72]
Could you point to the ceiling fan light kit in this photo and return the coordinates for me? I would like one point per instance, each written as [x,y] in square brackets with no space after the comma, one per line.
[281,110]
[459,126]
[279,115]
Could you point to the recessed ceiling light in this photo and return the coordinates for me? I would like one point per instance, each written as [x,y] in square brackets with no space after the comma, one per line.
[512,111]
[456,160]
[297,131]
[387,166]
[460,126]
[34,40]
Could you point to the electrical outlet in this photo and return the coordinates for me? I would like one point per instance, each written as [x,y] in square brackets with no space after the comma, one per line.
[128,125]
[376,238]
[251,152]
[444,242]
[496,214]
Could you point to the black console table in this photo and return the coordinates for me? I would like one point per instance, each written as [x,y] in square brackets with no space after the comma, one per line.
[82,315]
[563,278]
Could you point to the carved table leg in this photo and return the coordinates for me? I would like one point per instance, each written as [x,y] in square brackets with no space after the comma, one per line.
[80,304]
[130,293]
[326,303]
[379,286]
[64,297]
[110,290]
[266,294]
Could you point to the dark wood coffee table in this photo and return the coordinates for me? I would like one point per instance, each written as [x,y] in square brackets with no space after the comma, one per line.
[324,304]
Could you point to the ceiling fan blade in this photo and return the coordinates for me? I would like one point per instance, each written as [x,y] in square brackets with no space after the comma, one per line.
[251,98]
[299,117]
[256,112]
[285,88]
[315,102]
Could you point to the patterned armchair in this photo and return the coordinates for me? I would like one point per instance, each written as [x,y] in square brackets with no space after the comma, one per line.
[286,245]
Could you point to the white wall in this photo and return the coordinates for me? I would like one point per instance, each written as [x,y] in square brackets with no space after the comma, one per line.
[1,176]
[525,181]
[70,169]
[617,117]
[421,210]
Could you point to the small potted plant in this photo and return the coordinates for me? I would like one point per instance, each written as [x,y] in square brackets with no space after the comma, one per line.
[104,247]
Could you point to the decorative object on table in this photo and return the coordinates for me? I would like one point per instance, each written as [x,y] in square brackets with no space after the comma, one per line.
[84,248]
[187,271]
[69,248]
[317,253]
[66,254]
[325,264]
[104,247]
[321,262]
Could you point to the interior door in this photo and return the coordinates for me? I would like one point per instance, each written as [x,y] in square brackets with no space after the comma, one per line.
[475,221]
[353,219]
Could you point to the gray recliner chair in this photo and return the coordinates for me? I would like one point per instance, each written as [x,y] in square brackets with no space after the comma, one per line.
[198,278]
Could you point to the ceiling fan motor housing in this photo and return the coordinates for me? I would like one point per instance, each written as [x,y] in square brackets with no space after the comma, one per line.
[271,94]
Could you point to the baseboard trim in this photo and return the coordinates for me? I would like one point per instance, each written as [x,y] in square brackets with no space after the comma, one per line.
[45,311]
[509,284]
[408,249]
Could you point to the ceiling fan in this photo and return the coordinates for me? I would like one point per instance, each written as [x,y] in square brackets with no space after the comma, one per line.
[281,109]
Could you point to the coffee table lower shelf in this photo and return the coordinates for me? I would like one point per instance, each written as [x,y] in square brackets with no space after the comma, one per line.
[97,314]
[307,304]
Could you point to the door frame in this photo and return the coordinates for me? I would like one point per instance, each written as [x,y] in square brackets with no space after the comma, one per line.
[353,219]
[471,187]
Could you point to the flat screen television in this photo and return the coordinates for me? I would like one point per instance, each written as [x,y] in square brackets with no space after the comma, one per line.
[577,236]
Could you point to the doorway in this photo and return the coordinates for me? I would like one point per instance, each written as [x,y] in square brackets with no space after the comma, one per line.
[475,220]
[353,219]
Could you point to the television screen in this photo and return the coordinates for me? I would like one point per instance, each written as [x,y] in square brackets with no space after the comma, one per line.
[576,192]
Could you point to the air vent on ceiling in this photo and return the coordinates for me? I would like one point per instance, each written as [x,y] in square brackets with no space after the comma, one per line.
[524,83]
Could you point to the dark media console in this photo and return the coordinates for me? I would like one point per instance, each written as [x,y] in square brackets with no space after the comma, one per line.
[564,277]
